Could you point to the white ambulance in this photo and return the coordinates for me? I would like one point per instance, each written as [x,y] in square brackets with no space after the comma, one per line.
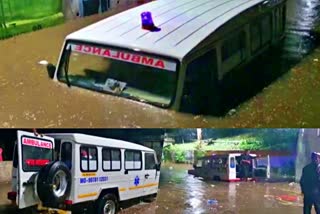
[226,167]
[173,54]
[66,171]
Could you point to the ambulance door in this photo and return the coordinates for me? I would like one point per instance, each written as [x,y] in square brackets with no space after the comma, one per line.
[34,152]
[232,167]
[262,167]
[134,173]
[151,173]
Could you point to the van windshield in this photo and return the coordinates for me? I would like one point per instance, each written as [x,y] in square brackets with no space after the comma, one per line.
[122,73]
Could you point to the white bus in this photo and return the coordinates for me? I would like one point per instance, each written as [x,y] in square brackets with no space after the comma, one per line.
[67,171]
[226,167]
[180,65]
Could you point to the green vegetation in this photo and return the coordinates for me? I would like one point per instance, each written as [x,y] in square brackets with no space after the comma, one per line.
[252,139]
[20,16]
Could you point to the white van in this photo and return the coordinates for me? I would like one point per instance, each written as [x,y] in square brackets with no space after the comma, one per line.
[226,167]
[180,65]
[66,170]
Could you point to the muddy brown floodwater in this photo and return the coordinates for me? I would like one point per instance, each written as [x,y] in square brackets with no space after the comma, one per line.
[181,193]
[30,99]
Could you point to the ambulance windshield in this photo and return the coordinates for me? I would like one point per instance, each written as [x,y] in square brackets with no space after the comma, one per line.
[123,73]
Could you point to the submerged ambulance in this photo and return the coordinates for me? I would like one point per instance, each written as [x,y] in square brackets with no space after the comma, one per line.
[171,54]
[68,171]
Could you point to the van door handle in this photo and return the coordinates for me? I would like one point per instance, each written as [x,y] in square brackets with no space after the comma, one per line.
[146,176]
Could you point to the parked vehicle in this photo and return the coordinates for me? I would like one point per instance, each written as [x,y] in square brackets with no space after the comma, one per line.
[226,167]
[65,171]
[180,65]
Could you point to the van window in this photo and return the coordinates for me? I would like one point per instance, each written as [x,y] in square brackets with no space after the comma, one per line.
[198,83]
[111,159]
[233,51]
[89,159]
[150,162]
[66,154]
[133,160]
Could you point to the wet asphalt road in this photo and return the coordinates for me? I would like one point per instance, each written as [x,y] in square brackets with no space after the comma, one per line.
[185,194]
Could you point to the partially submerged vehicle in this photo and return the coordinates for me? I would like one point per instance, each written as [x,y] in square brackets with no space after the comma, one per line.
[182,63]
[226,167]
[70,171]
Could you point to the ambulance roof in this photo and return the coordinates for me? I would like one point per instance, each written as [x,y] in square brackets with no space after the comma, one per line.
[98,141]
[184,24]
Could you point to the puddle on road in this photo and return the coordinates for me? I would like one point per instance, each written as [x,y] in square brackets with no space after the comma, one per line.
[185,194]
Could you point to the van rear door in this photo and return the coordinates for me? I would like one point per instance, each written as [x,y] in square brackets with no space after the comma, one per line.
[34,152]
[262,167]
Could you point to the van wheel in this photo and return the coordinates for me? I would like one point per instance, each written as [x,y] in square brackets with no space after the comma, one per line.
[54,183]
[107,204]
[150,198]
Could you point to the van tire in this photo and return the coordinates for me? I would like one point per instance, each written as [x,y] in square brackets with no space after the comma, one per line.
[104,201]
[150,198]
[54,183]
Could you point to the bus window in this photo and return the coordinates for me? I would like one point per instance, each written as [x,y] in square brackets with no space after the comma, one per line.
[233,51]
[89,159]
[66,154]
[133,160]
[198,83]
[150,162]
[111,159]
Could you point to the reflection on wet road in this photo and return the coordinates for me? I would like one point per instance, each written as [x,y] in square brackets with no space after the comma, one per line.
[182,193]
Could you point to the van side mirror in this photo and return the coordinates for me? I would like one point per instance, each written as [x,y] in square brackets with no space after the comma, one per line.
[51,69]
[126,172]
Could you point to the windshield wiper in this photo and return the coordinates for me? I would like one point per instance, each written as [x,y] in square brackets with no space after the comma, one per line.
[66,65]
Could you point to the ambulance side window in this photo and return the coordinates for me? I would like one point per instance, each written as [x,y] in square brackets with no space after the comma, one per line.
[89,159]
[111,159]
[133,160]
[150,162]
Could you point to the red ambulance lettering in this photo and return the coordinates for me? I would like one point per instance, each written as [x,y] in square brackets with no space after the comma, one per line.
[96,50]
[159,64]
[147,61]
[125,56]
[87,49]
[106,53]
[78,48]
[135,58]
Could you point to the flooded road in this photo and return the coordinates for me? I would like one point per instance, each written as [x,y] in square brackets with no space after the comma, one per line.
[185,194]
[30,99]
[132,208]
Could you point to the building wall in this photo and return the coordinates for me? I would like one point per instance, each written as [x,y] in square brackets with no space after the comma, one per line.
[308,142]
[6,170]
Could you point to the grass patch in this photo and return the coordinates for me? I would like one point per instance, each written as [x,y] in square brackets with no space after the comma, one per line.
[28,25]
